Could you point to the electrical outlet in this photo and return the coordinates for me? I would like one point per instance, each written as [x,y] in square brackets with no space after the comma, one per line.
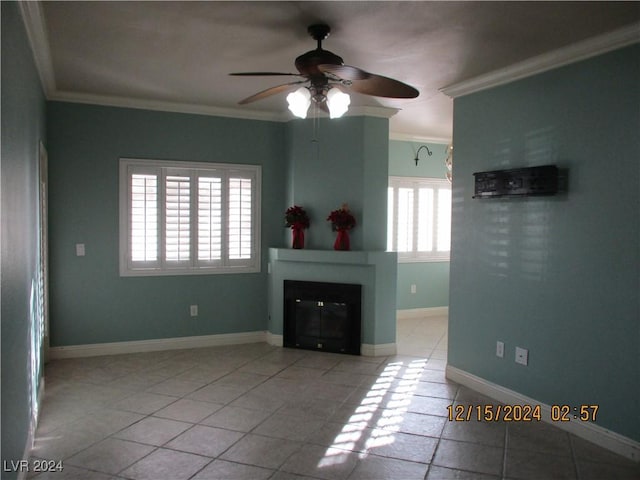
[193,310]
[413,288]
[500,349]
[522,356]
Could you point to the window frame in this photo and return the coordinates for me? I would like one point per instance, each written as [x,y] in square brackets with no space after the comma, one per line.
[415,184]
[195,170]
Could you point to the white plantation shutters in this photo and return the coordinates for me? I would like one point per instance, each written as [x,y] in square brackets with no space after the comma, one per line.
[419,219]
[209,219]
[144,217]
[240,231]
[426,226]
[404,225]
[443,225]
[177,219]
[184,218]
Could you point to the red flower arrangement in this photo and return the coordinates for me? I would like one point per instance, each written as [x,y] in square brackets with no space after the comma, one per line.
[341,219]
[296,217]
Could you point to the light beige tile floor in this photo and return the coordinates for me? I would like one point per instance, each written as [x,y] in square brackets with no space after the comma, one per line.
[261,412]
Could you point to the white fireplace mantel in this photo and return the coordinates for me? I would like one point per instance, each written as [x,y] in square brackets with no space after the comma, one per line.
[361,258]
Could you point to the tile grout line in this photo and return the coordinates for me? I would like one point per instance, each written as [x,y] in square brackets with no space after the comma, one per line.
[504,452]
[573,457]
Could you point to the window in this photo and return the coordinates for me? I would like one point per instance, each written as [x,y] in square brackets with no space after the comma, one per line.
[419,219]
[180,218]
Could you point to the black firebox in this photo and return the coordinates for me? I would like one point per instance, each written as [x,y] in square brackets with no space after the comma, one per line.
[322,316]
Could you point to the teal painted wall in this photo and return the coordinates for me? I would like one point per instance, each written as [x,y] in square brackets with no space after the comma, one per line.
[344,161]
[430,278]
[402,154]
[90,302]
[432,285]
[23,127]
[375,144]
[559,276]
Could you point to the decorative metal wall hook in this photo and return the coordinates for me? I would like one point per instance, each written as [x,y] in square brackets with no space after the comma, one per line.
[421,147]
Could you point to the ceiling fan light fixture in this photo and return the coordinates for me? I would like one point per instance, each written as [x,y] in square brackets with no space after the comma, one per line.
[337,102]
[299,102]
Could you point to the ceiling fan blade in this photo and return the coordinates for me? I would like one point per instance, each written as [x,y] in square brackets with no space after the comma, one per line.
[346,72]
[263,74]
[370,83]
[380,86]
[269,91]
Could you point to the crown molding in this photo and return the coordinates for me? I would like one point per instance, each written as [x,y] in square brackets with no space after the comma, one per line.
[176,107]
[245,114]
[547,61]
[36,27]
[406,137]
[365,111]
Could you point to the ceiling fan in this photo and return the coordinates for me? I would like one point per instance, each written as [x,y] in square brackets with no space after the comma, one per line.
[328,80]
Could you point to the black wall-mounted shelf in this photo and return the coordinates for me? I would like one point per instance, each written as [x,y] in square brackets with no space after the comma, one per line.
[517,182]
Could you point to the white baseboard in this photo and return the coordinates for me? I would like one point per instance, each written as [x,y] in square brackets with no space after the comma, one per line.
[368,350]
[381,350]
[422,312]
[274,339]
[589,431]
[115,348]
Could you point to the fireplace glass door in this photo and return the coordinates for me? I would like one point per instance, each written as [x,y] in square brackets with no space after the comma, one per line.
[322,316]
[321,325]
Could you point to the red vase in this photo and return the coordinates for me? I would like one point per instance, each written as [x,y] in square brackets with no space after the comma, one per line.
[342,241]
[297,238]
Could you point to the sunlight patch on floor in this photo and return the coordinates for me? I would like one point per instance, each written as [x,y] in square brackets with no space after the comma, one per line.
[379,414]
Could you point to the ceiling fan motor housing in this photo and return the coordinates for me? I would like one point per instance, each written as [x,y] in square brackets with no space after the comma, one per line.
[307,63]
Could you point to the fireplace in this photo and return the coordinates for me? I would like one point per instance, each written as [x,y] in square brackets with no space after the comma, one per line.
[322,316]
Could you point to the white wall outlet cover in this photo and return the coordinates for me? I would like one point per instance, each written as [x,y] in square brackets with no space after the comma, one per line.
[522,356]
[80,251]
[193,310]
[500,349]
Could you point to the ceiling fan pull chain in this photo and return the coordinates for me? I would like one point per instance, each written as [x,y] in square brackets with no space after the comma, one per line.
[316,124]
[316,132]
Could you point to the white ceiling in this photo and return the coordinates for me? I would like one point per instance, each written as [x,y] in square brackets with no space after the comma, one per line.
[181,52]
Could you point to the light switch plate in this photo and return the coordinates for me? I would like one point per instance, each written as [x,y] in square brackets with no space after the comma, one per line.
[80,250]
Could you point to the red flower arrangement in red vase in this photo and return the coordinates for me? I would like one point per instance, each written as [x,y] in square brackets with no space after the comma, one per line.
[342,221]
[297,219]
